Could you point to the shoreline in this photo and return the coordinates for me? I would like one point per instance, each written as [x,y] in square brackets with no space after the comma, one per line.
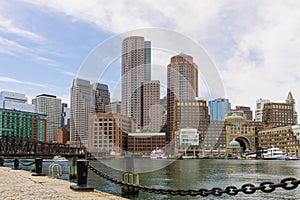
[20,184]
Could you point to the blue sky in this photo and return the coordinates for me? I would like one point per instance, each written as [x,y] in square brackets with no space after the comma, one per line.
[255,45]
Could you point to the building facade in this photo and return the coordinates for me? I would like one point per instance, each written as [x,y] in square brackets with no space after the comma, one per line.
[218,108]
[23,124]
[13,100]
[182,84]
[291,101]
[102,97]
[114,107]
[51,106]
[247,112]
[108,132]
[135,68]
[151,109]
[145,143]
[277,114]
[286,138]
[82,104]
[187,142]
[65,115]
[63,135]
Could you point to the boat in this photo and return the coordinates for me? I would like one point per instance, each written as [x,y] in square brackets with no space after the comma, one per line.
[158,154]
[60,158]
[291,158]
[274,153]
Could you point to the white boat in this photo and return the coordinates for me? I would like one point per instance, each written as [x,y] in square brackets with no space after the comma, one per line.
[158,154]
[60,158]
[291,158]
[274,153]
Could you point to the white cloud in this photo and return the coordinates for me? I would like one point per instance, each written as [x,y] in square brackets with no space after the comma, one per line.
[255,44]
[12,80]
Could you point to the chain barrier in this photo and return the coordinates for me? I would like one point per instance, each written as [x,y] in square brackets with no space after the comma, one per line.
[266,187]
[28,164]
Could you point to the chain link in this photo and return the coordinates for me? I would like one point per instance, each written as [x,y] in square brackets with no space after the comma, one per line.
[267,187]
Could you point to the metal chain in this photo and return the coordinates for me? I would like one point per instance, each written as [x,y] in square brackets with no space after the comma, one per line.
[266,187]
[29,164]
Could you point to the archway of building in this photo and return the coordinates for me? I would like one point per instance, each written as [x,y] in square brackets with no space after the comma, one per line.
[244,143]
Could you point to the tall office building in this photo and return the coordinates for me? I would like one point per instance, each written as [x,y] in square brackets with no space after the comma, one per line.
[102,97]
[113,107]
[135,68]
[182,85]
[151,110]
[16,101]
[65,115]
[290,100]
[259,108]
[51,106]
[82,104]
[218,108]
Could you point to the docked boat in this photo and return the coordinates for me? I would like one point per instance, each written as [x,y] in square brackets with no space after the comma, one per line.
[291,158]
[158,154]
[60,158]
[274,153]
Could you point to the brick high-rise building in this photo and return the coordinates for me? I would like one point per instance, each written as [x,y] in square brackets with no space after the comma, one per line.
[182,85]
[247,112]
[151,110]
[277,114]
[136,68]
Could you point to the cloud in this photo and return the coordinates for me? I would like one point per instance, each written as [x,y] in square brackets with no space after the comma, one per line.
[255,44]
[12,80]
[7,25]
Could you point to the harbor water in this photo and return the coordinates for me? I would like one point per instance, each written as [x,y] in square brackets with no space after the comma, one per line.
[193,174]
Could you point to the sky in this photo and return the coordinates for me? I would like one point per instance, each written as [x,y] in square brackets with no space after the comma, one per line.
[254,45]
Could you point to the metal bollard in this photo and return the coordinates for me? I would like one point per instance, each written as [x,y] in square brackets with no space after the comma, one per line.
[1,162]
[16,164]
[82,174]
[38,167]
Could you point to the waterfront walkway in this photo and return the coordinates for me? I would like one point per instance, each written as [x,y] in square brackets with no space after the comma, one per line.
[19,184]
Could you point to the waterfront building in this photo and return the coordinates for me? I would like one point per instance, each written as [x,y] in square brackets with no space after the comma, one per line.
[23,124]
[191,113]
[218,108]
[182,84]
[213,141]
[277,114]
[82,104]
[51,106]
[13,100]
[233,149]
[287,138]
[238,129]
[259,109]
[151,110]
[108,132]
[63,135]
[187,142]
[247,112]
[145,142]
[136,68]
[290,100]
[102,97]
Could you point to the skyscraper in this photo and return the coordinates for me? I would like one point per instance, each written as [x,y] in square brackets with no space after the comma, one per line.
[102,97]
[151,119]
[136,65]
[182,85]
[218,108]
[51,106]
[82,104]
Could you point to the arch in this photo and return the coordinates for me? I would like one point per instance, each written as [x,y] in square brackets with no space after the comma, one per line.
[244,142]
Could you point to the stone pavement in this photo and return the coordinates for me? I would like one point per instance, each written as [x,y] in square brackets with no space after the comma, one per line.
[19,184]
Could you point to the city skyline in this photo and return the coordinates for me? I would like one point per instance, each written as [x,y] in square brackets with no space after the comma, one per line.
[34,55]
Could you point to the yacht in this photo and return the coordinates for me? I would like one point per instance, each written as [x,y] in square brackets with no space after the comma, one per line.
[274,153]
[59,158]
[158,154]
